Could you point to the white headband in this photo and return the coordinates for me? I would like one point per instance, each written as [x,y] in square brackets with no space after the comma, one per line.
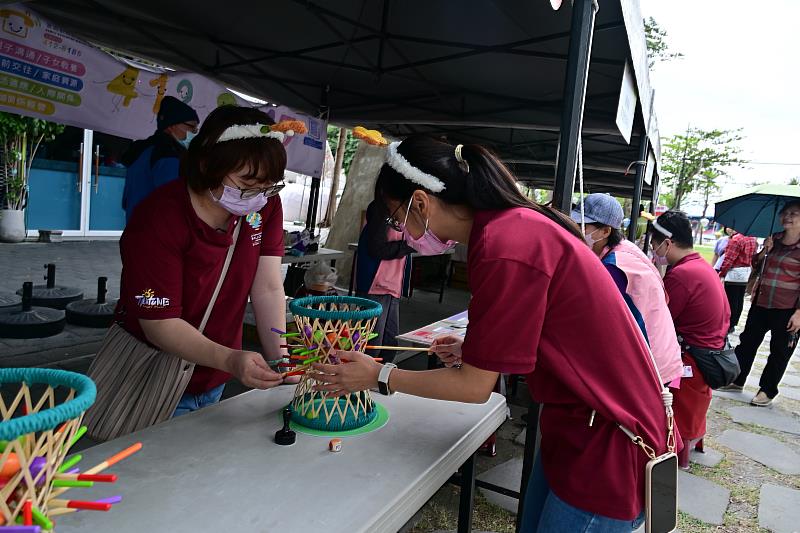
[252,131]
[403,167]
[662,229]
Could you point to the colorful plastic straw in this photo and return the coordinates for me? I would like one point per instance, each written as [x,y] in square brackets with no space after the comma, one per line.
[114,459]
[69,463]
[41,519]
[98,478]
[20,529]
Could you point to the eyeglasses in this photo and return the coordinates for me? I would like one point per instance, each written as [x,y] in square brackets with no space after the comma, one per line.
[393,223]
[270,191]
[192,127]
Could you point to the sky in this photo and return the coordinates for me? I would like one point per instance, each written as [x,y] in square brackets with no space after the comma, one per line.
[741,69]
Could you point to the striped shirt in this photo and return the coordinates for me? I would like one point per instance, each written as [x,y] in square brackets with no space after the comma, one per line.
[779,287]
[738,253]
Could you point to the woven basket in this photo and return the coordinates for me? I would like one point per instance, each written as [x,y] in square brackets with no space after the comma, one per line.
[327,324]
[36,433]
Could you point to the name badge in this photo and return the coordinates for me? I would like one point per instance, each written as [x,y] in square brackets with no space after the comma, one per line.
[687,371]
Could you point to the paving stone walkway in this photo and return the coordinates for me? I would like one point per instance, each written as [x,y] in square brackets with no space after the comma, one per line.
[701,498]
[779,509]
[768,418]
[762,449]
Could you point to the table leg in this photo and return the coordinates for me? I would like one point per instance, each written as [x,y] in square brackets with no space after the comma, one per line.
[467,496]
[445,264]
[352,273]
[529,455]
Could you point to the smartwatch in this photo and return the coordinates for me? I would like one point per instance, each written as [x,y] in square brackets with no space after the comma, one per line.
[383,379]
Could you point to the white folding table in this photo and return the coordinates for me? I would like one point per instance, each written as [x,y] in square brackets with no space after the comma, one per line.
[219,470]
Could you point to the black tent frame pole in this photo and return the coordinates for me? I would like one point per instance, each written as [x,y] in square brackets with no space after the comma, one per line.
[641,168]
[653,204]
[578,59]
[316,182]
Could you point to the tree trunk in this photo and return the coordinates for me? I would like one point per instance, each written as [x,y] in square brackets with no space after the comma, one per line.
[337,170]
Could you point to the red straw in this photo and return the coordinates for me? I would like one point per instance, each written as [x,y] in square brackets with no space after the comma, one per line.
[27,513]
[100,478]
[88,506]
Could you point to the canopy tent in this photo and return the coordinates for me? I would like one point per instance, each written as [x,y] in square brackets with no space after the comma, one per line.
[488,72]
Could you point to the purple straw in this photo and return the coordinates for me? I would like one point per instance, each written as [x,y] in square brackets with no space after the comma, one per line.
[308,331]
[20,529]
[355,337]
[279,332]
[75,470]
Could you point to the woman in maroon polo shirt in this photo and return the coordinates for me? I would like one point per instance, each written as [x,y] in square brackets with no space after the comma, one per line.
[175,245]
[699,308]
[530,313]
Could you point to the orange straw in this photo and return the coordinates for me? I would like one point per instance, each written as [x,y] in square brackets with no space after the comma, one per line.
[114,459]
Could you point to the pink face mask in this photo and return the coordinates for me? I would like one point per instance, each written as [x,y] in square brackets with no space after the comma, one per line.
[232,201]
[428,243]
[659,260]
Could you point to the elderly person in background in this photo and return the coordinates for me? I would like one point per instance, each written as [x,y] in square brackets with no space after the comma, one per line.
[776,308]
[735,271]
[701,315]
[637,279]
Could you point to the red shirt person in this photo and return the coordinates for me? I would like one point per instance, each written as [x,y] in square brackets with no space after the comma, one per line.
[735,271]
[538,296]
[701,314]
[175,246]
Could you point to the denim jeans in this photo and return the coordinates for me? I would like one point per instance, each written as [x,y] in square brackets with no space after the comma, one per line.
[544,512]
[193,402]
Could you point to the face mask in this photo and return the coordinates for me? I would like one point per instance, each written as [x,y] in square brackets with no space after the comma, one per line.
[232,201]
[659,260]
[591,240]
[185,142]
[428,243]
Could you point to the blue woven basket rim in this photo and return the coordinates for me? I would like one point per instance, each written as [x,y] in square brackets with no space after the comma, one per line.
[49,418]
[306,306]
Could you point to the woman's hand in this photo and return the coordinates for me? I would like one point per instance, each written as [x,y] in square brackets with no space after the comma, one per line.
[251,370]
[359,373]
[768,244]
[794,322]
[448,349]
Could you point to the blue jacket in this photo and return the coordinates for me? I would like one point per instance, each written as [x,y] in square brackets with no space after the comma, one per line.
[151,163]
[374,247]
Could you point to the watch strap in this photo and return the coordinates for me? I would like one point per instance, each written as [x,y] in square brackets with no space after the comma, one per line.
[383,379]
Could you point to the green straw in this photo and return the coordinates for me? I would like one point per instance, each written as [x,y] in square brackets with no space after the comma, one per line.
[72,483]
[372,336]
[287,335]
[78,434]
[307,352]
[298,350]
[41,519]
[69,463]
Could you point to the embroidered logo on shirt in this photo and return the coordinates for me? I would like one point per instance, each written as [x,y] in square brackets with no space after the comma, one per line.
[149,300]
[254,219]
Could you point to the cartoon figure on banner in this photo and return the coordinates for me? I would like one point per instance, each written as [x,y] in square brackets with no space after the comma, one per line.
[17,23]
[227,98]
[161,83]
[185,91]
[124,87]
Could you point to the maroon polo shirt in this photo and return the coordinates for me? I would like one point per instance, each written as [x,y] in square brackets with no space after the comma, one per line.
[544,305]
[697,302]
[172,260]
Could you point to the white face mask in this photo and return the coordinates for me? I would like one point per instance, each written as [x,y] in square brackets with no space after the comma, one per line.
[591,241]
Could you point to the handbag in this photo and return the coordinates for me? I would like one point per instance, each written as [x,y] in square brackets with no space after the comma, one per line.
[719,367]
[138,385]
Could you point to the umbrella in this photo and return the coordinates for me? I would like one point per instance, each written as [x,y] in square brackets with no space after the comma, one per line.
[754,211]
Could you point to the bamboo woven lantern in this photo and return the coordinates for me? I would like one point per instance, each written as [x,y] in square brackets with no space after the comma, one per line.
[326,324]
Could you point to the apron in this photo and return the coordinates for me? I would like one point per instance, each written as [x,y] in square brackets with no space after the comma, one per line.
[690,403]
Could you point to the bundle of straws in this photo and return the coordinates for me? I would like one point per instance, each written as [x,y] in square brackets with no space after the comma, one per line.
[41,412]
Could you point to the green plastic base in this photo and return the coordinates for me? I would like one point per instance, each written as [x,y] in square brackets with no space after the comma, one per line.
[378,422]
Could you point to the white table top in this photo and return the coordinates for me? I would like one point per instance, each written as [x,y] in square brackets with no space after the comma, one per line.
[323,254]
[451,251]
[218,470]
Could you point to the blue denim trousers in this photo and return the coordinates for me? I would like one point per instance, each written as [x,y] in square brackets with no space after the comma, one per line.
[544,512]
[193,402]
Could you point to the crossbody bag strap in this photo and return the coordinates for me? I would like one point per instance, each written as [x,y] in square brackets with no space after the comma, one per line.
[221,276]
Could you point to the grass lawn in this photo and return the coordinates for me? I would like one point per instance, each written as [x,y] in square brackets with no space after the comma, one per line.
[706,250]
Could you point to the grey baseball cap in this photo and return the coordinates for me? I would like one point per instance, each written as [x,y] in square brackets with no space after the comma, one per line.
[600,209]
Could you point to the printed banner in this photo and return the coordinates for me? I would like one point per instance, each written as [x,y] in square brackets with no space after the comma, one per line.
[45,73]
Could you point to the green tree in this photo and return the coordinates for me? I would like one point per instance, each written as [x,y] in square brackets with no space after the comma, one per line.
[657,47]
[685,157]
[707,185]
[349,148]
[20,138]
[795,181]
